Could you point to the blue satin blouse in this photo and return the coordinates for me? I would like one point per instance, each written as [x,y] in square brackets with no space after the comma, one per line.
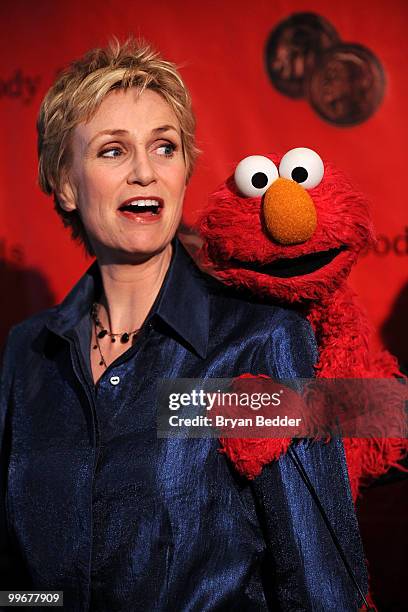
[95,505]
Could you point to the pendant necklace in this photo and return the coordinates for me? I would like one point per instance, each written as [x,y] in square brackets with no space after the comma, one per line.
[103,332]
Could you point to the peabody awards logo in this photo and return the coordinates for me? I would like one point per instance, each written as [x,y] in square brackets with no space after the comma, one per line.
[19,85]
[305,58]
[389,245]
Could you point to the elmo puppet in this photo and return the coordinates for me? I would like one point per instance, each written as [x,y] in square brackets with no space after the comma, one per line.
[288,229]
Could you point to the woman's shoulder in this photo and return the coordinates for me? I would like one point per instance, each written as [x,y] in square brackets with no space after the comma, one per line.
[23,333]
[280,339]
[244,307]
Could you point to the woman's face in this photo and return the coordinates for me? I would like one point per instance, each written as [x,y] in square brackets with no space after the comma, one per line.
[128,176]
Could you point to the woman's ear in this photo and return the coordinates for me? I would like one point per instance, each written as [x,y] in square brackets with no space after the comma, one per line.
[67,195]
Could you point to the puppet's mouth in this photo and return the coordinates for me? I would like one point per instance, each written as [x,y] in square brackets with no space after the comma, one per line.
[297,266]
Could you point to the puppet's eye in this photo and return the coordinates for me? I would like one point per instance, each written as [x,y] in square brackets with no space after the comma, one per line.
[303,166]
[254,175]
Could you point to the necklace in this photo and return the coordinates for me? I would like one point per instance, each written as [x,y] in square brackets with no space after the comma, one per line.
[103,332]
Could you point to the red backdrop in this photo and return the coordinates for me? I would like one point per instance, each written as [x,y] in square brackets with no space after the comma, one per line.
[220,47]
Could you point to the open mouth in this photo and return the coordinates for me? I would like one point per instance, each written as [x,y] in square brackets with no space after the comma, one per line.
[297,266]
[148,208]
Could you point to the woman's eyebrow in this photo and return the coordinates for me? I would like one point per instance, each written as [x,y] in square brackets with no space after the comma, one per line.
[108,132]
[165,128]
[119,132]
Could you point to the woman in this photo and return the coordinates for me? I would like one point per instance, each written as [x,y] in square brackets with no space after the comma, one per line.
[94,504]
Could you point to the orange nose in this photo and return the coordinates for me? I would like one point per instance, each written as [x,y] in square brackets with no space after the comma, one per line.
[289,212]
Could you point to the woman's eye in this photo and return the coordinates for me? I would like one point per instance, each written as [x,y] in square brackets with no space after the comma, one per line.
[166,149]
[112,152]
[303,166]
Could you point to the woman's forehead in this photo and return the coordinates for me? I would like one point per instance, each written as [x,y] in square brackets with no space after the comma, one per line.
[132,111]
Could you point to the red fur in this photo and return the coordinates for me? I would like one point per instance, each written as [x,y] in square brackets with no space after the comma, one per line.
[232,230]
[249,455]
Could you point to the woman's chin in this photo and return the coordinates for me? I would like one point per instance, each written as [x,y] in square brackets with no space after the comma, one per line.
[135,252]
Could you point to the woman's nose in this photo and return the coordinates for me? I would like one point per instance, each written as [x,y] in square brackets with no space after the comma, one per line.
[289,212]
[141,171]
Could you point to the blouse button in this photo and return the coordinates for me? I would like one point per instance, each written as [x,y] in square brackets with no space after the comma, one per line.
[114,380]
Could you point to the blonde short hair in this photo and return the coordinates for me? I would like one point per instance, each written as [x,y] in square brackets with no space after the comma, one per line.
[76,96]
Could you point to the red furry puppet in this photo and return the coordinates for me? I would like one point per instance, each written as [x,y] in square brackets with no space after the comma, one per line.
[289,229]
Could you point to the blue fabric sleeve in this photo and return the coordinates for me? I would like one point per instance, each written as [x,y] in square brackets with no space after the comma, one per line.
[306,571]
[292,350]
[11,568]
[5,383]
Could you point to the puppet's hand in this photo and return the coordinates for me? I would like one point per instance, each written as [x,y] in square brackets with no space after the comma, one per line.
[258,443]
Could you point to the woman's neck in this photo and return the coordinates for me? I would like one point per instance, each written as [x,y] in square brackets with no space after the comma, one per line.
[129,291]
